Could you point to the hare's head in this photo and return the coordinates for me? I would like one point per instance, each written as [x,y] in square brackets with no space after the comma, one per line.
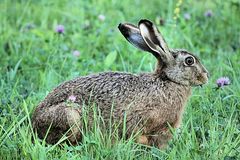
[177,65]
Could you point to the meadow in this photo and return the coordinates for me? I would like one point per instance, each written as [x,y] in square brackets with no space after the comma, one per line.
[35,58]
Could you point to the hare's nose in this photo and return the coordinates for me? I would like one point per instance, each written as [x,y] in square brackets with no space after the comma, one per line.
[206,72]
[208,75]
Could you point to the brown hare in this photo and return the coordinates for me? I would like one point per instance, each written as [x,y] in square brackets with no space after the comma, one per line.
[151,101]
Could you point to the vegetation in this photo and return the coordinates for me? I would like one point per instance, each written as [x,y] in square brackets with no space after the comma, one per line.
[35,58]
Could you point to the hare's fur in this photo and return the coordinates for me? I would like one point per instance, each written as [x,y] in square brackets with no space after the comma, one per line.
[142,97]
[151,102]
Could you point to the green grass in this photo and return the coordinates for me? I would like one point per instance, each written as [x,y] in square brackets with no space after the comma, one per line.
[34,61]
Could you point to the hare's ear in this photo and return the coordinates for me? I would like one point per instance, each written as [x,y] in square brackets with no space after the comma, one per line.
[155,41]
[132,34]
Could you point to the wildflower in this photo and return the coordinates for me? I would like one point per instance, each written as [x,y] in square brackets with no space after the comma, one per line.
[30,26]
[72,98]
[86,24]
[27,27]
[208,13]
[223,81]
[59,29]
[101,17]
[179,2]
[187,16]
[177,11]
[76,53]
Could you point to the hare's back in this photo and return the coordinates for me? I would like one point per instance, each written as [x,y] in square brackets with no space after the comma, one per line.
[107,86]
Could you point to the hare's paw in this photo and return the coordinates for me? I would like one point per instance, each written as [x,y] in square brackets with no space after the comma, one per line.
[161,140]
[143,140]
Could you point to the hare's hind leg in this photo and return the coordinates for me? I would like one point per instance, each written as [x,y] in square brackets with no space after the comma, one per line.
[161,139]
[143,140]
[55,121]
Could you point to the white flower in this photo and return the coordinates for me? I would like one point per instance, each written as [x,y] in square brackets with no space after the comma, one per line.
[76,53]
[187,16]
[101,17]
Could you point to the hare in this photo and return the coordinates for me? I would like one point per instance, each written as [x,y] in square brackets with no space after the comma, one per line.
[151,101]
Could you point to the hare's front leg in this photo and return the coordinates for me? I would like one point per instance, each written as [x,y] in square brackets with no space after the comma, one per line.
[54,121]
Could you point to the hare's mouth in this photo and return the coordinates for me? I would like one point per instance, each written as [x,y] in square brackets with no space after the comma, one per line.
[198,85]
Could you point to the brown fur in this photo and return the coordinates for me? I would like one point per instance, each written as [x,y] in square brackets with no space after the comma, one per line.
[151,101]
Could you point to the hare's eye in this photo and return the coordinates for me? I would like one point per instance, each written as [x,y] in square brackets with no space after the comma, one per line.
[189,61]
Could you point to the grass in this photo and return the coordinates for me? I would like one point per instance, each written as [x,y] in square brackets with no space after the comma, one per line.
[35,59]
